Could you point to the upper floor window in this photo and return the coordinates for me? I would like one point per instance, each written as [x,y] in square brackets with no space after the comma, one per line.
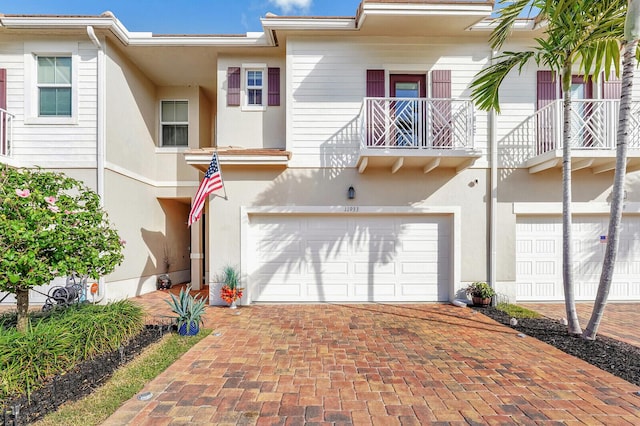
[54,85]
[254,87]
[174,121]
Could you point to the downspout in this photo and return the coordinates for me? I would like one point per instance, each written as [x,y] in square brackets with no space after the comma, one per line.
[100,134]
[493,209]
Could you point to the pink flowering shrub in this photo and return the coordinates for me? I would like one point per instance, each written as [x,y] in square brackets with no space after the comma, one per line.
[50,225]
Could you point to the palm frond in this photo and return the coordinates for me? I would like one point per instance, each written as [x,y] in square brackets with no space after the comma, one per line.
[507,17]
[486,83]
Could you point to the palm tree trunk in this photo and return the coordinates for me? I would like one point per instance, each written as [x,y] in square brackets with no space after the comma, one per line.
[617,200]
[573,324]
[22,308]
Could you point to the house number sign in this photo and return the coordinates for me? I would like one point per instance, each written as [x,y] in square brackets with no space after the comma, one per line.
[351,209]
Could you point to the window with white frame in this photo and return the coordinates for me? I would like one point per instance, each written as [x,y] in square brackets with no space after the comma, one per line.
[54,86]
[174,123]
[255,87]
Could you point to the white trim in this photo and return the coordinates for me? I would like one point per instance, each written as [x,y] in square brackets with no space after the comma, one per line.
[320,23]
[177,123]
[453,211]
[577,208]
[244,160]
[244,87]
[31,105]
[171,149]
[109,22]
[147,181]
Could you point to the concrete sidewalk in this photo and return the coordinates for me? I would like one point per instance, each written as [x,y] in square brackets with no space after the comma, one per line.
[373,364]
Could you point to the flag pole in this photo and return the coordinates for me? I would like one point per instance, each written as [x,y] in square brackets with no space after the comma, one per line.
[221,178]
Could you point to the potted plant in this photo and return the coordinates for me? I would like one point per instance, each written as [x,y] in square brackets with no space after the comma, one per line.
[481,293]
[230,292]
[188,310]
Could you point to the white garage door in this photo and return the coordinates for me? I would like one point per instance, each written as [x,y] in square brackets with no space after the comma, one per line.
[349,258]
[539,258]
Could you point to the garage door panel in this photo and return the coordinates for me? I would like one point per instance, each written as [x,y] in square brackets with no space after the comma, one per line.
[539,246]
[365,268]
[279,268]
[328,267]
[328,291]
[327,225]
[277,290]
[546,268]
[380,290]
[351,258]
[268,246]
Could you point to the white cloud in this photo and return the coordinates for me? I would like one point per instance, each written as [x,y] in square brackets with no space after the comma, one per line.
[287,6]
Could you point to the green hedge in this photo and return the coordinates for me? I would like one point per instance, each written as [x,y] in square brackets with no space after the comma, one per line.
[61,339]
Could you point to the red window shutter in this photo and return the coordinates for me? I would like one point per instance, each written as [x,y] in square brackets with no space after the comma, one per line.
[3,88]
[546,92]
[233,86]
[441,113]
[375,83]
[274,87]
[441,84]
[612,88]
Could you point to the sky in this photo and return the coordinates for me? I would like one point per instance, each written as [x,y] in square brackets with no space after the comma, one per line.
[185,16]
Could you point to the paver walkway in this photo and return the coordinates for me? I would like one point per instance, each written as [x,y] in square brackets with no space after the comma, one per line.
[374,364]
[620,320]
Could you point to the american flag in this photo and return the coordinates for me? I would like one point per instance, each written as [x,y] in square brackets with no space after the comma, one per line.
[212,182]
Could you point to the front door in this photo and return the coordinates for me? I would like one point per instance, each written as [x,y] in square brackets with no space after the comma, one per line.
[408,111]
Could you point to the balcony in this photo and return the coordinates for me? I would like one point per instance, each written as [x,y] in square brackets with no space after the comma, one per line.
[6,132]
[594,124]
[416,133]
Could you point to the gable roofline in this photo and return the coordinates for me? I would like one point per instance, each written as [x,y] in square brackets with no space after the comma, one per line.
[108,21]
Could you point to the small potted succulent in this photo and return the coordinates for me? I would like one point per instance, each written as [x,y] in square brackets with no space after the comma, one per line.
[481,293]
[189,311]
[230,292]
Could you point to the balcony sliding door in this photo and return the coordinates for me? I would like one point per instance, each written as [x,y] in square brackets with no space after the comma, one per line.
[408,112]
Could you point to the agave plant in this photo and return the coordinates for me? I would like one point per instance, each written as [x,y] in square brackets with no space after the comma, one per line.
[189,311]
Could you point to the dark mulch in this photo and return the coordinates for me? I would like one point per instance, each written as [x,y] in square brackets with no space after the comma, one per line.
[77,383]
[618,358]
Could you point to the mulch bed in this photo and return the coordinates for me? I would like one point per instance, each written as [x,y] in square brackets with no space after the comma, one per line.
[618,358]
[77,383]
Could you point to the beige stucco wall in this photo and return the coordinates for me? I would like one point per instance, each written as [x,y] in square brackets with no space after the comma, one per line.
[237,126]
[147,188]
[152,228]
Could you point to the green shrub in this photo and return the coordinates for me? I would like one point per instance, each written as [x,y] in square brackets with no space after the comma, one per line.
[57,341]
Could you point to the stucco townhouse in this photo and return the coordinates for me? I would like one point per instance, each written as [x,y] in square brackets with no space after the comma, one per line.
[356,168]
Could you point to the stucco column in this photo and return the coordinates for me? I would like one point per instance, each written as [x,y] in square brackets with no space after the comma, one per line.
[196,255]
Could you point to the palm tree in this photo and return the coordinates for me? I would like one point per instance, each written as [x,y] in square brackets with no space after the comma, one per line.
[578,32]
[631,36]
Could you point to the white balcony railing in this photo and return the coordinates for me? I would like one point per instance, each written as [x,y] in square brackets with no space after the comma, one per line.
[410,123]
[594,124]
[6,132]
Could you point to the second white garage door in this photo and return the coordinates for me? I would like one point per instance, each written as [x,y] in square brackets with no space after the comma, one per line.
[353,258]
[539,258]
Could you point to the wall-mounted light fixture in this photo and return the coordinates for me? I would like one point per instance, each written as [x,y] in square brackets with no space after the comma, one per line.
[351,193]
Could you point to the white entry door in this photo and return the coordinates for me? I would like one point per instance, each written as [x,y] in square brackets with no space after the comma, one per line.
[539,258]
[355,258]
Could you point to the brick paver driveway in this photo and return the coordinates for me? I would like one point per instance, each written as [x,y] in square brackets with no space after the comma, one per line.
[375,364]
